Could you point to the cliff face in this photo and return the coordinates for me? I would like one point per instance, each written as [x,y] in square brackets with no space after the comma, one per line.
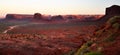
[110,12]
[113,10]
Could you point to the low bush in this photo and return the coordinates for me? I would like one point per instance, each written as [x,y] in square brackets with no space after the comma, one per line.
[110,38]
[99,32]
[116,26]
[89,43]
[70,53]
[84,48]
[113,19]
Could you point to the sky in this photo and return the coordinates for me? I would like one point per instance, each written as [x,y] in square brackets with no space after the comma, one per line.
[55,7]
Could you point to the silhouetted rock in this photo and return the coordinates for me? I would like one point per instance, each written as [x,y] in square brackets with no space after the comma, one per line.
[10,16]
[59,17]
[19,16]
[110,12]
[113,10]
[37,16]
[71,17]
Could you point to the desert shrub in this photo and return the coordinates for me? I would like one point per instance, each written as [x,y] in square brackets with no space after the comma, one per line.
[113,19]
[89,43]
[116,26]
[110,38]
[84,48]
[99,32]
[70,53]
[81,50]
[94,53]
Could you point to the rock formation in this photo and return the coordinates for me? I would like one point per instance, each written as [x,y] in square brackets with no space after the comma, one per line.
[19,16]
[10,16]
[59,17]
[113,10]
[110,12]
[37,16]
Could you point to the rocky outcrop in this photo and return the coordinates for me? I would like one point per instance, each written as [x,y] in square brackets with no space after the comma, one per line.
[18,16]
[113,10]
[59,17]
[37,16]
[10,16]
[110,12]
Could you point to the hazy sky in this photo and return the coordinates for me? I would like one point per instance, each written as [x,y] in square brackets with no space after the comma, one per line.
[55,7]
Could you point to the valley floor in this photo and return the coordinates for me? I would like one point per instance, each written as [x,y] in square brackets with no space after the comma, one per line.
[44,39]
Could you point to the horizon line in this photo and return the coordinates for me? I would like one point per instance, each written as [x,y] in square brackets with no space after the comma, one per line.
[48,14]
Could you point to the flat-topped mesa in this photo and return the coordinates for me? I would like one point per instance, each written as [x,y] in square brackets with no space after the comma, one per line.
[110,12]
[19,16]
[113,10]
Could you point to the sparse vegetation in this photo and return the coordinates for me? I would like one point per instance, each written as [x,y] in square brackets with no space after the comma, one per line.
[111,20]
[114,22]
[84,48]
[3,26]
[93,53]
[116,26]
[70,53]
[89,43]
[110,38]
[46,36]
[99,32]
